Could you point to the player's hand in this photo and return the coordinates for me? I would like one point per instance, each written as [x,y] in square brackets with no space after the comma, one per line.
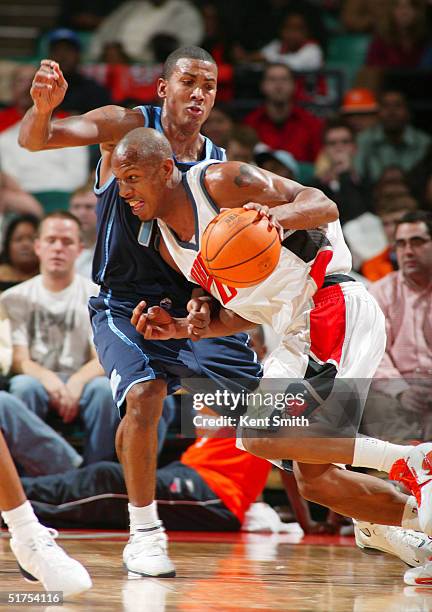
[155,324]
[265,211]
[199,317]
[49,87]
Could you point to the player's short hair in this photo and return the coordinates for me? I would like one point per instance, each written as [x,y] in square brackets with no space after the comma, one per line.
[191,52]
[61,214]
[418,216]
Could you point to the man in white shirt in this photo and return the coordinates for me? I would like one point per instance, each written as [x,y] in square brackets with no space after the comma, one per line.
[53,355]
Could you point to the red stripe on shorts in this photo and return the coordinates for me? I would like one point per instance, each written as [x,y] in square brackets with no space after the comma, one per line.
[319,266]
[328,324]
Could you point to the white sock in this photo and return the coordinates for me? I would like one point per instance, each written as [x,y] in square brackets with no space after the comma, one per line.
[20,520]
[377,454]
[410,515]
[144,518]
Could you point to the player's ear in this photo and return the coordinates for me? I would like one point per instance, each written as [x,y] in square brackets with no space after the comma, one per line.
[168,172]
[161,88]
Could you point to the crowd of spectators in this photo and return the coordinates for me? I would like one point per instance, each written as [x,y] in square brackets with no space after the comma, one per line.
[364,148]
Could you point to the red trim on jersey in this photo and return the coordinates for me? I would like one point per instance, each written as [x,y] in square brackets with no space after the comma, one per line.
[328,324]
[319,266]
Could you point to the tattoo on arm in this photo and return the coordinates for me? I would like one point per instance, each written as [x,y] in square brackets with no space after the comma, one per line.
[246,176]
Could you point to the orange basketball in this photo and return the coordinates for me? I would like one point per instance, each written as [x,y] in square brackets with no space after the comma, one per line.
[239,248]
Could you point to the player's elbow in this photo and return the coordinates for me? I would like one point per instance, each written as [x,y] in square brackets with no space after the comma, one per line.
[25,142]
[328,210]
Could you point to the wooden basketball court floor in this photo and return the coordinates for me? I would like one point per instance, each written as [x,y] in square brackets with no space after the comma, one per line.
[233,573]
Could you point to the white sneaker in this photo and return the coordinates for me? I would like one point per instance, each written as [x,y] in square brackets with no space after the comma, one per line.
[147,555]
[40,559]
[415,472]
[412,547]
[419,575]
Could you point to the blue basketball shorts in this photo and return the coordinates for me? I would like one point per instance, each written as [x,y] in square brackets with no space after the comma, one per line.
[127,358]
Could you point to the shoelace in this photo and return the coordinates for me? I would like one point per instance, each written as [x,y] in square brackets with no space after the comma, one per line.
[44,540]
[157,540]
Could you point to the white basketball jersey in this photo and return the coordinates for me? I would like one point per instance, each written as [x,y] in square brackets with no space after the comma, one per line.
[306,257]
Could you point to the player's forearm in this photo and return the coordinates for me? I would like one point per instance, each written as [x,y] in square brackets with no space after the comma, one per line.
[222,323]
[225,323]
[35,130]
[309,209]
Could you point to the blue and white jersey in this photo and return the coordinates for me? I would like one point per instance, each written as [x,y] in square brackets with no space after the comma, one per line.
[126,261]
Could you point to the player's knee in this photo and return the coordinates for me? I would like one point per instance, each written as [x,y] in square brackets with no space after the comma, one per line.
[255,446]
[144,402]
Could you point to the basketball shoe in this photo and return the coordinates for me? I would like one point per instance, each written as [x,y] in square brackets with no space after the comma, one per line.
[415,472]
[418,576]
[147,554]
[412,547]
[40,559]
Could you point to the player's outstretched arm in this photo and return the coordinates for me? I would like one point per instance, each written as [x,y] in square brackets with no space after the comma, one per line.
[39,131]
[294,206]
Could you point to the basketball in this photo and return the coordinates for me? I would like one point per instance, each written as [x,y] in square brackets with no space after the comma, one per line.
[239,248]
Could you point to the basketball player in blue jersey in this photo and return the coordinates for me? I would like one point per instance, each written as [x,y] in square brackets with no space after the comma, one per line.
[127,266]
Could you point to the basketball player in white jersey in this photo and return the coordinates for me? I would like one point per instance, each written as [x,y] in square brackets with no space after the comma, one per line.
[38,556]
[310,287]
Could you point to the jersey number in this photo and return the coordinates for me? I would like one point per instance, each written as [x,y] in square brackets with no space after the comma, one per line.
[200,274]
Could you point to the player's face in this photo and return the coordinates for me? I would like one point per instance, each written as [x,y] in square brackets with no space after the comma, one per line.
[58,246]
[141,186]
[414,249]
[189,93]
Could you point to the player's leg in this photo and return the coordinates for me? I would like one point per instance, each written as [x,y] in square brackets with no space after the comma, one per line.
[374,503]
[38,556]
[135,368]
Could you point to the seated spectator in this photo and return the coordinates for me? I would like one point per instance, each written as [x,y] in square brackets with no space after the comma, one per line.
[83,93]
[18,260]
[83,207]
[420,181]
[337,176]
[58,171]
[280,123]
[54,360]
[36,448]
[135,23]
[14,200]
[241,144]
[279,162]
[114,53]
[20,83]
[393,141]
[390,209]
[209,489]
[359,109]
[361,16]
[295,45]
[218,126]
[400,409]
[400,36]
[216,40]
